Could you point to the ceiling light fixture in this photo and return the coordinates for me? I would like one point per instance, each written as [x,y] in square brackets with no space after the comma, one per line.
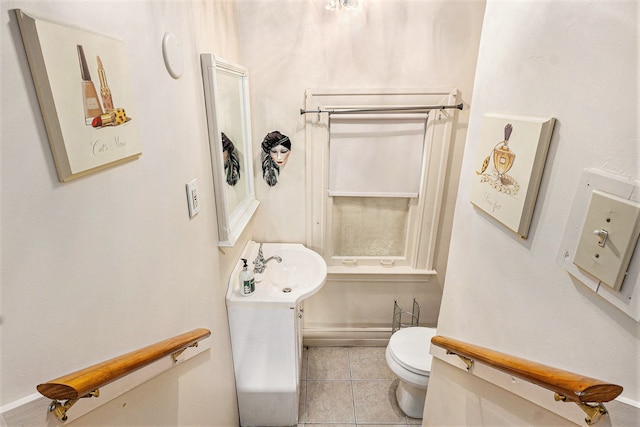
[342,4]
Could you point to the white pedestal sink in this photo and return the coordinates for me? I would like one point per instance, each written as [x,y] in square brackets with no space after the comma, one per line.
[266,332]
[301,274]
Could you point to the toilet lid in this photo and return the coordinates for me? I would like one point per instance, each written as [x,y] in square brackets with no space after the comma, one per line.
[410,348]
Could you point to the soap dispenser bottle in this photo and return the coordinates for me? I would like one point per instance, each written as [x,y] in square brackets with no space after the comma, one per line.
[247,282]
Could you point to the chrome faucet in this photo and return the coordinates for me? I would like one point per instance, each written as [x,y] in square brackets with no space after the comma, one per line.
[260,264]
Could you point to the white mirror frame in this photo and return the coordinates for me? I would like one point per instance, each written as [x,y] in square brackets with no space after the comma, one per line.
[231,222]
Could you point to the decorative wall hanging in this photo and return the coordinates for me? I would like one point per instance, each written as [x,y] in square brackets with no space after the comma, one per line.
[89,129]
[276,149]
[508,168]
[231,160]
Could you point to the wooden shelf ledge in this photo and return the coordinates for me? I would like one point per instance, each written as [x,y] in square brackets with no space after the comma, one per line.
[86,382]
[588,393]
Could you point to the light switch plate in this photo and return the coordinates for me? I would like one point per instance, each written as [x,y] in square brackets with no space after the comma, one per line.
[192,198]
[627,297]
[608,238]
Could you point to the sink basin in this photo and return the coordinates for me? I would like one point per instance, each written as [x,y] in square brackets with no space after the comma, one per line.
[301,274]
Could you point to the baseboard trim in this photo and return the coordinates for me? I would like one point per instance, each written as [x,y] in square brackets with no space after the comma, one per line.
[346,337]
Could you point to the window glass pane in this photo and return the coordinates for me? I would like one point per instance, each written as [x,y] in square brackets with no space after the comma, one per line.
[369,226]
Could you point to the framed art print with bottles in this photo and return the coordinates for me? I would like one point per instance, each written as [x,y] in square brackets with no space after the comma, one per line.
[84,90]
[510,158]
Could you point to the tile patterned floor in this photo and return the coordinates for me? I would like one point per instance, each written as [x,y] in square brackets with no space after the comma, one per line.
[349,387]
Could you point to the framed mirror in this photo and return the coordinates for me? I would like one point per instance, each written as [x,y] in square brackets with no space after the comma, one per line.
[226,91]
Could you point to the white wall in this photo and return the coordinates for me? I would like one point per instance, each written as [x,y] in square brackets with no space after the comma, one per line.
[578,62]
[111,262]
[291,46]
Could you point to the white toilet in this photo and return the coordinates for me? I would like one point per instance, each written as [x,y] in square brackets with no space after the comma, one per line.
[408,357]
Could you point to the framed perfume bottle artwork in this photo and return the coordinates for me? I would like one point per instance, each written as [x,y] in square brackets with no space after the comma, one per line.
[84,90]
[508,168]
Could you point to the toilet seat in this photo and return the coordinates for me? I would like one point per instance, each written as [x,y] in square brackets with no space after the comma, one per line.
[409,347]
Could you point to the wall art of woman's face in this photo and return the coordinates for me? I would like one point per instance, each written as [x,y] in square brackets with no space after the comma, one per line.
[280,154]
[276,149]
[231,160]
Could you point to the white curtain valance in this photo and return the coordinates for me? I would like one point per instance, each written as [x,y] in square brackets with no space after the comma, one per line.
[376,157]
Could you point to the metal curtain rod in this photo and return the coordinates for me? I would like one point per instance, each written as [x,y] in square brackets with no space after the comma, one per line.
[416,109]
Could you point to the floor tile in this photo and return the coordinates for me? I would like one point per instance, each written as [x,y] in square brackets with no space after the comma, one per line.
[302,403]
[329,402]
[349,387]
[369,363]
[305,364]
[328,363]
[331,425]
[375,402]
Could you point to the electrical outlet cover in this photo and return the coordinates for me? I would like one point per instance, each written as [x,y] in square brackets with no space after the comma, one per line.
[192,198]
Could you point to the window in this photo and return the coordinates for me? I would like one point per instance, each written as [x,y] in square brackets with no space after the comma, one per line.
[375,181]
[369,226]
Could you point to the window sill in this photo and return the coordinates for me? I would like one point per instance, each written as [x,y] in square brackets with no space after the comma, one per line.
[373,273]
